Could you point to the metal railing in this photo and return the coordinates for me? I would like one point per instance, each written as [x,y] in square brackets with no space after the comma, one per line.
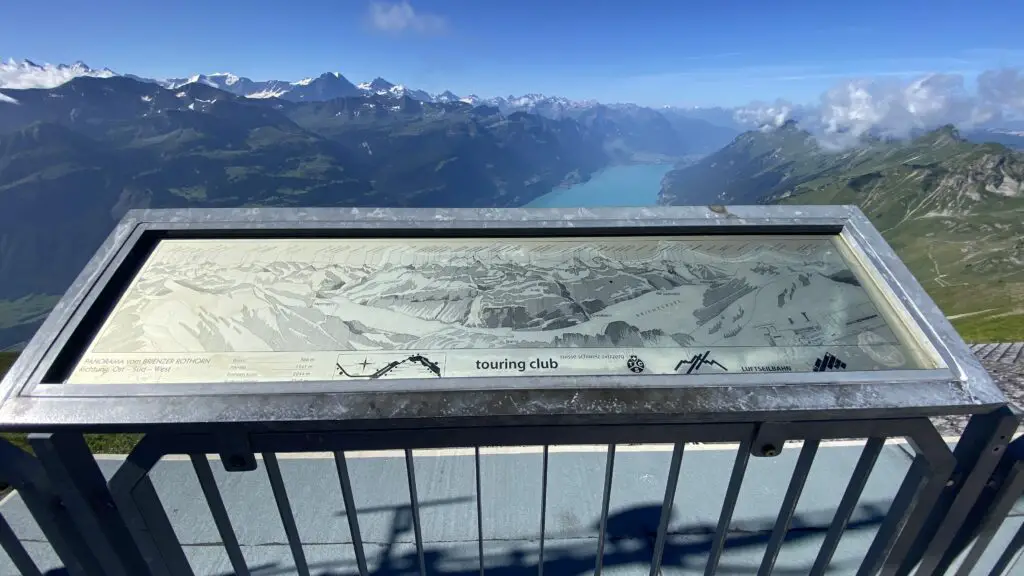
[1002,490]
[59,522]
[122,527]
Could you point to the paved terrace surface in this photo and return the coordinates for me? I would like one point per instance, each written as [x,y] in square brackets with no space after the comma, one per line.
[511,488]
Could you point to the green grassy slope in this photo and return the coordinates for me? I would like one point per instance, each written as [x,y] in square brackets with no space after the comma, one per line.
[953,210]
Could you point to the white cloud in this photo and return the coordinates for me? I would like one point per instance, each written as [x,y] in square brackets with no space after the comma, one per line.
[27,74]
[7,99]
[765,116]
[896,108]
[1002,88]
[401,17]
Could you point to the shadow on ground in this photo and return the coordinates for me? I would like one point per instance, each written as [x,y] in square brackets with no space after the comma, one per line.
[631,537]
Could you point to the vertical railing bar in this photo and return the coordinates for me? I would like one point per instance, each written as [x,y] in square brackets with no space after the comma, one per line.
[1011,554]
[543,508]
[1002,502]
[666,507]
[220,514]
[796,487]
[924,502]
[859,479]
[284,508]
[479,511]
[928,538]
[350,511]
[143,512]
[732,494]
[16,551]
[414,503]
[142,498]
[609,469]
[75,477]
[895,518]
[60,530]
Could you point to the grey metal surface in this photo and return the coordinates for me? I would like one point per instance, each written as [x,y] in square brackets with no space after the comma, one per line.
[602,535]
[78,483]
[543,506]
[978,452]
[889,530]
[341,465]
[27,475]
[1009,492]
[965,388]
[788,508]
[995,504]
[671,483]
[285,509]
[414,504]
[725,516]
[846,506]
[1008,377]
[220,514]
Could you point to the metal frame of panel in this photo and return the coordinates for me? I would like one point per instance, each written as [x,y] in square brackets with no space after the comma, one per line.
[32,394]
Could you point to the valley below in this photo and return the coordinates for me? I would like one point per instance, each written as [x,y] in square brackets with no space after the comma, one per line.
[76,157]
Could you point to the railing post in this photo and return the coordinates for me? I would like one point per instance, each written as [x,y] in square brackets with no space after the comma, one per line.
[977,453]
[988,516]
[77,479]
[144,514]
[26,475]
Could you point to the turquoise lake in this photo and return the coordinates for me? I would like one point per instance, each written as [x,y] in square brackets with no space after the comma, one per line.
[634,185]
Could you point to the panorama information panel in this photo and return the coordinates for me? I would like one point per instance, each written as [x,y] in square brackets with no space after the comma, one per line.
[266,310]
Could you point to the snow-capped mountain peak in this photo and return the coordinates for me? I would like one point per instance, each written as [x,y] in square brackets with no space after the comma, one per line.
[446,96]
[382,87]
[28,74]
[376,86]
[229,78]
[326,86]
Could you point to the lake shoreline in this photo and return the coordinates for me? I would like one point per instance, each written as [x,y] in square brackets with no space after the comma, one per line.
[637,184]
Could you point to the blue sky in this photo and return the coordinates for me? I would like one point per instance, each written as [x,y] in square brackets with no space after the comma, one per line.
[651,52]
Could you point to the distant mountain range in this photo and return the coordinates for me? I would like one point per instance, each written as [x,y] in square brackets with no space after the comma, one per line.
[952,209]
[76,156]
[80,146]
[327,86]
[708,128]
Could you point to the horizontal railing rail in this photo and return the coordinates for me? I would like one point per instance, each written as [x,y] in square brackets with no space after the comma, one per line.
[949,501]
